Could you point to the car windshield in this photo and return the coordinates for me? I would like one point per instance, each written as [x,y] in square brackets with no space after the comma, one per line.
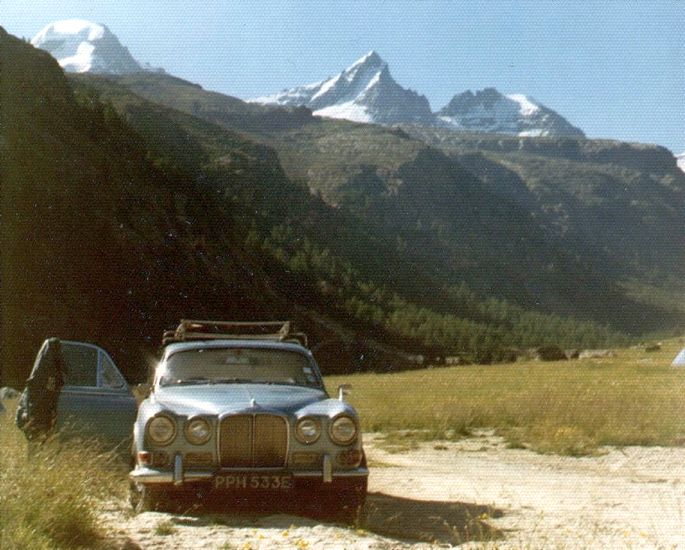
[239,365]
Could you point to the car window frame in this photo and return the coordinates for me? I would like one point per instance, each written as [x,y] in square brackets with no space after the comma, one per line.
[99,374]
[161,366]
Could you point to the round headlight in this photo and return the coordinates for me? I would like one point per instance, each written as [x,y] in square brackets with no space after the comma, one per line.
[308,430]
[161,430]
[343,430]
[198,431]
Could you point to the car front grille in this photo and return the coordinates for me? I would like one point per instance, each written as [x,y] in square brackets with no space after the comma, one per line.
[253,441]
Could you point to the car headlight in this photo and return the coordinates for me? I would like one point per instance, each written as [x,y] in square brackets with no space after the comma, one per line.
[308,430]
[198,431]
[343,430]
[161,430]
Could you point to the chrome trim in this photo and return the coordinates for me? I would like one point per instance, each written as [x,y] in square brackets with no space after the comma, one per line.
[251,412]
[171,439]
[327,468]
[359,472]
[319,424]
[330,429]
[186,426]
[178,469]
[150,475]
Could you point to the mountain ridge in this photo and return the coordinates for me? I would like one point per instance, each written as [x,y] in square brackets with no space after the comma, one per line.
[366,92]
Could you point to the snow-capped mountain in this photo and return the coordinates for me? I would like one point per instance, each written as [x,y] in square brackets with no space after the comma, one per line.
[490,111]
[364,92]
[681,161]
[82,46]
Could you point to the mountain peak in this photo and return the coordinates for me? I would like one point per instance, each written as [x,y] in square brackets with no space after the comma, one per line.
[81,46]
[371,58]
[489,110]
[363,92]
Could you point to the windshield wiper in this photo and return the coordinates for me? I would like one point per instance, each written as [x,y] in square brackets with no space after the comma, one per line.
[231,381]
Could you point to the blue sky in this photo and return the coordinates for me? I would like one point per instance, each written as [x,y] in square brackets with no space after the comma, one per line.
[614,68]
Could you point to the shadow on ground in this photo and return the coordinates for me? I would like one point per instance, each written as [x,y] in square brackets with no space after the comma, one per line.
[391,516]
[430,521]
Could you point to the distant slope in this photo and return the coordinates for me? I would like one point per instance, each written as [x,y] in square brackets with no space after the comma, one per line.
[625,201]
[441,226]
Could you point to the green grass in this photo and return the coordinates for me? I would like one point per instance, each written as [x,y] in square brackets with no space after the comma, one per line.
[50,494]
[566,407]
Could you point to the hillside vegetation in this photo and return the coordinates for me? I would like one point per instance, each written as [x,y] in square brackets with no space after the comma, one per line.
[582,228]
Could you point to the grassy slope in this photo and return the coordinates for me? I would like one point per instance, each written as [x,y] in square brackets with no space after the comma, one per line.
[569,407]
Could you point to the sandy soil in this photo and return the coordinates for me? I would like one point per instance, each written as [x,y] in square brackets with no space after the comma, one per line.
[475,493]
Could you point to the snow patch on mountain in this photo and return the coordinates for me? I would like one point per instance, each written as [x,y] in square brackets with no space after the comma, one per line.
[81,46]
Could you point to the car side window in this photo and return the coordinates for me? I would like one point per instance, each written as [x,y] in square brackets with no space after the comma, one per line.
[109,374]
[82,364]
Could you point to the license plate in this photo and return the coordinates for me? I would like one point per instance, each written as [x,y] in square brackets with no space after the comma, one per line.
[259,482]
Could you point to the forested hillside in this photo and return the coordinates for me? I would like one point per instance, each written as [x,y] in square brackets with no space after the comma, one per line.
[589,229]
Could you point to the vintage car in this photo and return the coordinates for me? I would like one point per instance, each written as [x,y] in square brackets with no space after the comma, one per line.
[240,409]
[75,389]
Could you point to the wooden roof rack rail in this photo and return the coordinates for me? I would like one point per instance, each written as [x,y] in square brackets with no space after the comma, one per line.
[190,329]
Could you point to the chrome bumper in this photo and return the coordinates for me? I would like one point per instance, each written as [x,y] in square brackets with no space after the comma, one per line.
[179,476]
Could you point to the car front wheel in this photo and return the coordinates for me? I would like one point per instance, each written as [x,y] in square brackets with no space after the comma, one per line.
[145,498]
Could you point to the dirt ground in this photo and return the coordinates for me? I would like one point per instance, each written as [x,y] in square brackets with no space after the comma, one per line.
[474,493]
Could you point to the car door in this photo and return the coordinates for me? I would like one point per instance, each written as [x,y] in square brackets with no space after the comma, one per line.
[95,399]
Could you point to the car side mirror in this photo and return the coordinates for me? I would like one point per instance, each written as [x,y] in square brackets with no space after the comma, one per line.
[343,390]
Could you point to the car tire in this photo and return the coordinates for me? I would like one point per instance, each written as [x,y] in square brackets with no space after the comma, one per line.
[144,498]
[350,508]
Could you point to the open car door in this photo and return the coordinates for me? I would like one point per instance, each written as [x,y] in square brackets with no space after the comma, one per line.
[95,399]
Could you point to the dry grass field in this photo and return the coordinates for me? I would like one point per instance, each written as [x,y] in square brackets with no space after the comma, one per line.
[566,407]
[50,493]
[53,495]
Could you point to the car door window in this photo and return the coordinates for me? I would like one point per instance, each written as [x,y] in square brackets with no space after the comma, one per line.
[82,364]
[109,375]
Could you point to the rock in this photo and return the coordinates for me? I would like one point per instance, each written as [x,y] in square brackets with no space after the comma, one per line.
[596,353]
[456,360]
[549,353]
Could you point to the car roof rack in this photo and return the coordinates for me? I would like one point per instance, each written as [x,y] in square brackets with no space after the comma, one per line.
[190,329]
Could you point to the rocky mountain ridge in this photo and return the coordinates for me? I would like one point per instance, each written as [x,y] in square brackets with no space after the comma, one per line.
[366,92]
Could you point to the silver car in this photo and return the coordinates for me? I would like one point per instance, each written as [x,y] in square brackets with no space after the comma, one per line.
[234,411]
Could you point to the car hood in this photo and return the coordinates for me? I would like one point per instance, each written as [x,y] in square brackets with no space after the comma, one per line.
[227,398]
